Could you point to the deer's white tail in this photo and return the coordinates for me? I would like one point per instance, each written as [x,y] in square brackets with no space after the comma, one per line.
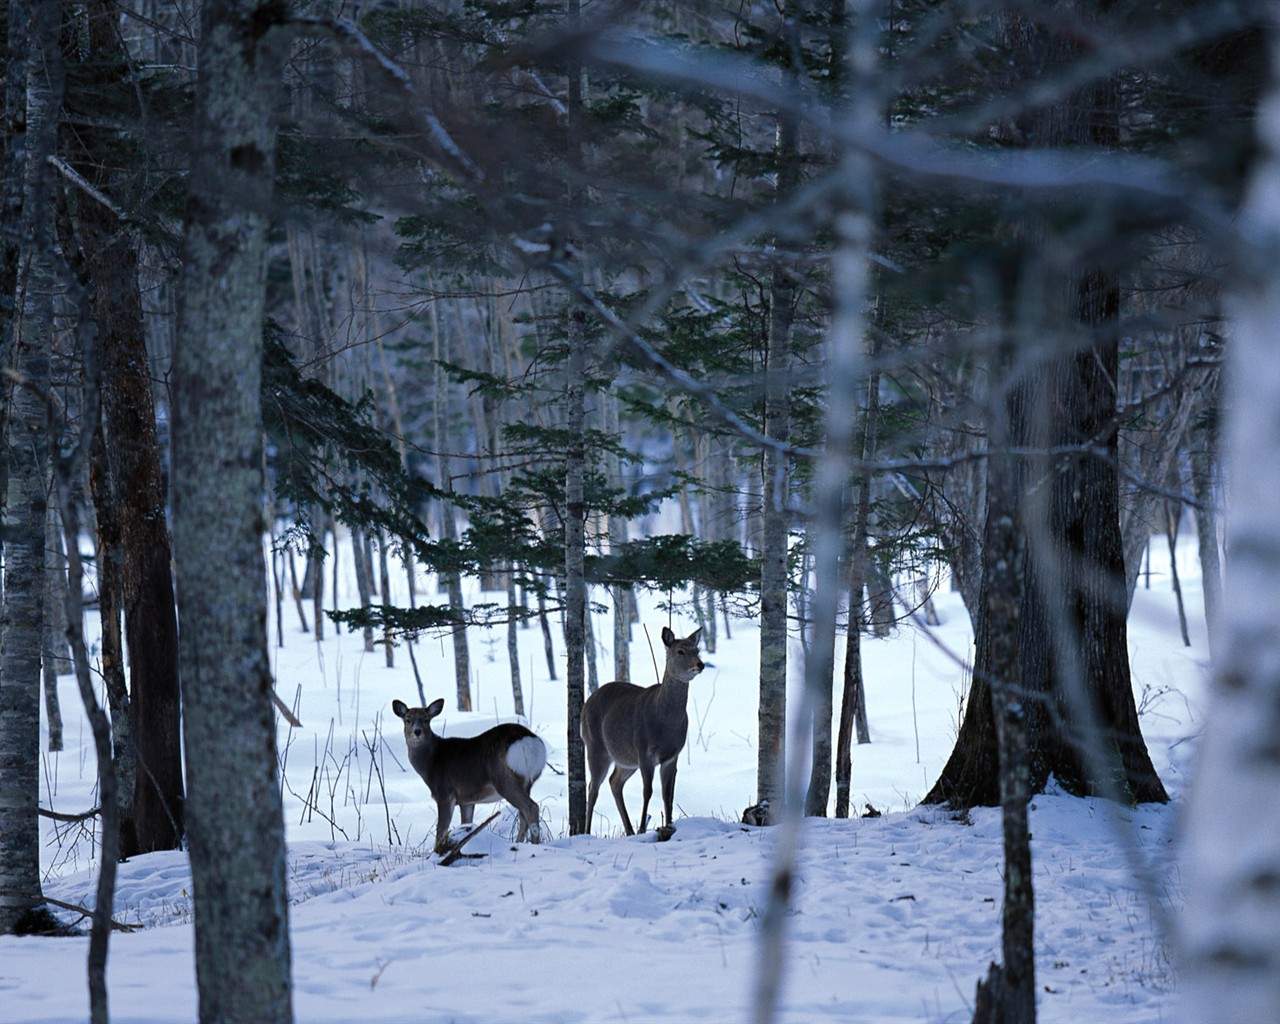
[527,757]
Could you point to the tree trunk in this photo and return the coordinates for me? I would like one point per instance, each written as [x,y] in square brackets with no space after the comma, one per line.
[1230,931]
[110,613]
[575,510]
[234,818]
[775,493]
[575,597]
[997,662]
[27,441]
[108,265]
[450,577]
[54,652]
[853,703]
[1082,721]
[1203,445]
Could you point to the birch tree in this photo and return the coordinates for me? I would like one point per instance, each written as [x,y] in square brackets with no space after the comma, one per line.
[33,32]
[234,811]
[1231,929]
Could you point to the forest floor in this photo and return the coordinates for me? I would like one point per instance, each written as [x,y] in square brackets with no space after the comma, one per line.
[893,918]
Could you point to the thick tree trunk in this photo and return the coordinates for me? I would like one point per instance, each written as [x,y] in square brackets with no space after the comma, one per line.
[1082,722]
[1230,930]
[234,816]
[109,268]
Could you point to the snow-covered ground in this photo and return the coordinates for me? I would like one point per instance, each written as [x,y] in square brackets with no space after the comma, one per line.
[894,918]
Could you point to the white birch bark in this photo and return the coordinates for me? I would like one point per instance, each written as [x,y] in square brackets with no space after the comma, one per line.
[1230,932]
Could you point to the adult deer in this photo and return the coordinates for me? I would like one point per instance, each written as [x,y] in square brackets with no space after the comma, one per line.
[501,763]
[634,727]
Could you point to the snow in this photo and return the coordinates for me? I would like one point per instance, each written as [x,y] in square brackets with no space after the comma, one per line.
[893,918]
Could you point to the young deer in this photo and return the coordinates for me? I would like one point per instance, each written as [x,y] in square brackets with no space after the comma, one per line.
[634,727]
[501,763]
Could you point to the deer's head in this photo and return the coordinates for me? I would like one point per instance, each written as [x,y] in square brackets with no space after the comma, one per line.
[683,661]
[417,721]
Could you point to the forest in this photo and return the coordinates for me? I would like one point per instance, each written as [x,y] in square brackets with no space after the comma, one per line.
[799,316]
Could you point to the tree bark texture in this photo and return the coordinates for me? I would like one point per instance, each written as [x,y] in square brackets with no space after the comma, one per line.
[1230,931]
[575,596]
[775,493]
[110,613]
[27,443]
[1082,722]
[108,265]
[233,809]
[998,662]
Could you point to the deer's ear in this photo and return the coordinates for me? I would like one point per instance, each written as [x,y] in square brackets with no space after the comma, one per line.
[695,634]
[400,708]
[435,707]
[668,637]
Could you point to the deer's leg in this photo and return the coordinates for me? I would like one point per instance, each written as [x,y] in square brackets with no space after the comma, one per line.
[597,765]
[516,791]
[669,787]
[646,780]
[617,779]
[593,790]
[445,806]
[468,813]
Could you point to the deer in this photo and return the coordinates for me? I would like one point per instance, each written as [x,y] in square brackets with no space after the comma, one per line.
[501,763]
[634,727]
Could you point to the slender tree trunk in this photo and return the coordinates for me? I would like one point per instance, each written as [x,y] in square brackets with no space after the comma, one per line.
[364,578]
[234,815]
[574,570]
[513,642]
[1171,534]
[853,703]
[384,581]
[54,654]
[1009,994]
[775,493]
[67,476]
[451,577]
[575,511]
[1203,445]
[27,441]
[110,614]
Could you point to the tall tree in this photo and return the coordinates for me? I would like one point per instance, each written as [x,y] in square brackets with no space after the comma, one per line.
[1230,933]
[234,814]
[1082,720]
[776,472]
[109,267]
[33,31]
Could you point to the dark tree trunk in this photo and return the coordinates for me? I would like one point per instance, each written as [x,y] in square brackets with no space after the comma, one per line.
[1082,722]
[997,662]
[108,265]
[1203,445]
[110,613]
